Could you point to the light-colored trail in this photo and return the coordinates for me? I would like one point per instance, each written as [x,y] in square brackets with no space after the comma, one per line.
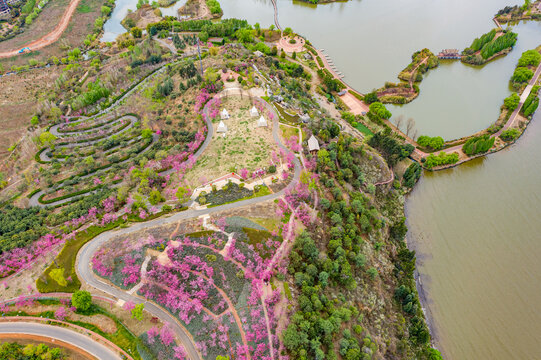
[51,37]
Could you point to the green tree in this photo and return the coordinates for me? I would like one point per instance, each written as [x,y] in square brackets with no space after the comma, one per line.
[58,276]
[155,197]
[136,32]
[522,75]
[379,110]
[204,36]
[529,58]
[244,35]
[137,312]
[46,138]
[146,133]
[105,10]
[371,97]
[82,300]
[512,101]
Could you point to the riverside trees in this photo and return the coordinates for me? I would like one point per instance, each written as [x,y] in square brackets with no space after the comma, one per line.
[484,48]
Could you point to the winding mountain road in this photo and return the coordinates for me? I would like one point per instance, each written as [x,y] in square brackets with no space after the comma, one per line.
[84,258]
[63,334]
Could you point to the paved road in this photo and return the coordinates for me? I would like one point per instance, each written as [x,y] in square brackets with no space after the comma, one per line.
[69,336]
[86,254]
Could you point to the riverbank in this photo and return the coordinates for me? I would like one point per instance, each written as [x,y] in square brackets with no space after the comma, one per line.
[439,160]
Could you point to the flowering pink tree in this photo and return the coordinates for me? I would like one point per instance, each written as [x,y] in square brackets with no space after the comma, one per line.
[244,173]
[60,313]
[180,353]
[152,333]
[128,306]
[166,336]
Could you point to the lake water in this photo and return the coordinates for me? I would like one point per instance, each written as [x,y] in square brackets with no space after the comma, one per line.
[475,228]
[113,27]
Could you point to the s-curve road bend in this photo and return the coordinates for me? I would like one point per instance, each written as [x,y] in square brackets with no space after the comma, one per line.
[68,336]
[84,258]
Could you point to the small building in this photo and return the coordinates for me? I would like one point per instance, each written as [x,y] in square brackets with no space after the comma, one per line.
[307,56]
[5,12]
[254,112]
[313,145]
[342,93]
[224,114]
[258,53]
[449,54]
[304,118]
[222,128]
[262,122]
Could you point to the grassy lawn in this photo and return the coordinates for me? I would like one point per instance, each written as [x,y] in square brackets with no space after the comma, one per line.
[363,129]
[66,260]
[244,145]
[288,132]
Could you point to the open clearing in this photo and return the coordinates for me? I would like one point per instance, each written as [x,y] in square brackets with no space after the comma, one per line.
[245,145]
[18,102]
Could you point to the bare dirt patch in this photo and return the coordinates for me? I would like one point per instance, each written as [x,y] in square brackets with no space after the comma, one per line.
[18,102]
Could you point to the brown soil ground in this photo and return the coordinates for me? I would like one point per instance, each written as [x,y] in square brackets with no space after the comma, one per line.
[18,102]
[80,25]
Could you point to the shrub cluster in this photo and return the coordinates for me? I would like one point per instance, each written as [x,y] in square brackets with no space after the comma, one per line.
[435,143]
[478,145]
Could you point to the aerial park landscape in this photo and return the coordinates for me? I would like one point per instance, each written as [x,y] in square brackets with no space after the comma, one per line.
[217,180]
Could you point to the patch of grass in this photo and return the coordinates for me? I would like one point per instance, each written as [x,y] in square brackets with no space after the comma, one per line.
[363,129]
[270,224]
[66,259]
[84,8]
[288,132]
[200,234]
[288,291]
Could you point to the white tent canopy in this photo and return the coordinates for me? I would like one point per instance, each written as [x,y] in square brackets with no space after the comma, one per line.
[313,144]
[222,128]
[262,122]
[224,114]
[253,111]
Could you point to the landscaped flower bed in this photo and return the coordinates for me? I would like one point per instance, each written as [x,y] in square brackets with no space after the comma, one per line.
[212,288]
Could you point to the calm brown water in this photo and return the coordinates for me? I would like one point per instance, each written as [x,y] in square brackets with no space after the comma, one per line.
[476,228]
[476,231]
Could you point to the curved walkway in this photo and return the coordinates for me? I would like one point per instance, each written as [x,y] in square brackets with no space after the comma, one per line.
[51,37]
[63,334]
[84,258]
[276,15]
[35,198]
[82,143]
